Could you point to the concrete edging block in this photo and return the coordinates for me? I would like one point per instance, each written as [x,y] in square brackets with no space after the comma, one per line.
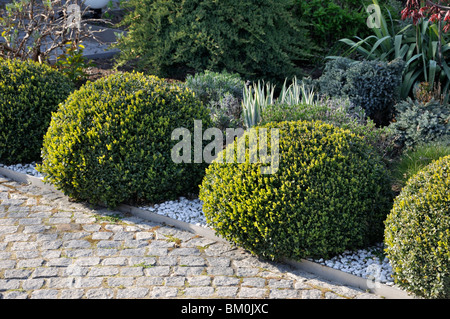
[325,272]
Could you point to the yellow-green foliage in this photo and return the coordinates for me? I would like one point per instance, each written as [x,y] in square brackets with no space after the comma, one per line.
[110,142]
[330,193]
[29,92]
[417,232]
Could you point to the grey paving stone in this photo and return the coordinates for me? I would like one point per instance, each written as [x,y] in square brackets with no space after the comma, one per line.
[149,281]
[230,292]
[87,261]
[199,281]
[100,293]
[200,292]
[30,263]
[45,272]
[133,252]
[27,254]
[87,282]
[178,281]
[115,261]
[24,246]
[219,261]
[120,281]
[225,281]
[32,284]
[283,294]
[101,236]
[311,294]
[157,271]
[185,252]
[103,271]
[48,245]
[44,294]
[17,273]
[30,221]
[7,264]
[164,292]
[188,271]
[14,295]
[131,271]
[246,292]
[220,271]
[132,293]
[59,262]
[60,282]
[192,261]
[77,244]
[144,235]
[5,255]
[71,294]
[35,229]
[77,253]
[142,261]
[8,284]
[16,237]
[282,283]
[254,282]
[168,261]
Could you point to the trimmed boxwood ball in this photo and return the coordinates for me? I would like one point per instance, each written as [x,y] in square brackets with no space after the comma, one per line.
[417,232]
[330,193]
[110,142]
[29,93]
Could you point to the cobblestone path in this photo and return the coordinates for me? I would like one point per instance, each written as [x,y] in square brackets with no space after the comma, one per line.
[52,248]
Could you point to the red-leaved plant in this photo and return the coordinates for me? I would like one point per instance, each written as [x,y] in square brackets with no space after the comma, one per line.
[437,11]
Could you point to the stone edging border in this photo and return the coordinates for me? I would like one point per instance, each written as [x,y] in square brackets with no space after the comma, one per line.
[325,272]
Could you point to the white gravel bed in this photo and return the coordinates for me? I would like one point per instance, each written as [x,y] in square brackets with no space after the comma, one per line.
[187,210]
[29,169]
[366,263]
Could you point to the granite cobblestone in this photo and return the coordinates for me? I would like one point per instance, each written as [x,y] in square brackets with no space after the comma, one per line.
[53,248]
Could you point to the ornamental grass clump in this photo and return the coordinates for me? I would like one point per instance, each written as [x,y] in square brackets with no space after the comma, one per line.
[417,234]
[110,142]
[330,193]
[29,93]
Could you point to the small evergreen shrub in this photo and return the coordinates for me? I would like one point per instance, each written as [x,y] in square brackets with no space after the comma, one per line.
[221,93]
[212,86]
[419,123]
[29,93]
[111,142]
[330,193]
[372,85]
[417,234]
[256,39]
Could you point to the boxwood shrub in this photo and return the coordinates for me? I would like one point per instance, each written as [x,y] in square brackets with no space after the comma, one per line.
[331,193]
[29,93]
[110,142]
[417,234]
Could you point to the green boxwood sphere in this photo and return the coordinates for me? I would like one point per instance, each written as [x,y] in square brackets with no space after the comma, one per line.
[110,142]
[330,193]
[29,93]
[417,234]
